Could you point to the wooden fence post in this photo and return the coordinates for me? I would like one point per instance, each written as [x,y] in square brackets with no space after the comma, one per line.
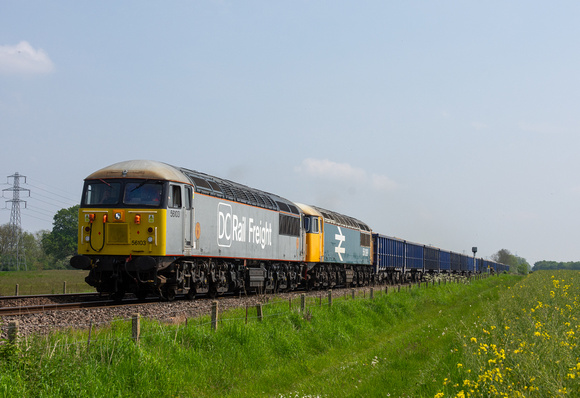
[214,315]
[136,327]
[302,302]
[260,313]
[353,293]
[330,298]
[16,290]
[372,293]
[64,287]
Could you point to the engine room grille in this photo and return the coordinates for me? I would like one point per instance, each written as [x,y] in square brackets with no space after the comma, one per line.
[117,234]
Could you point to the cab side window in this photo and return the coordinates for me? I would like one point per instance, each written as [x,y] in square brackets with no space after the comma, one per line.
[314,225]
[188,196]
[174,197]
[307,224]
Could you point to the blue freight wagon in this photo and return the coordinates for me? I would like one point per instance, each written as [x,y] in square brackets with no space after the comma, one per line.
[455,262]
[414,256]
[388,258]
[444,261]
[463,263]
[414,261]
[470,264]
[431,259]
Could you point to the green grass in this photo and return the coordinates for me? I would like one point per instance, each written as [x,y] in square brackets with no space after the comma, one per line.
[43,282]
[524,344]
[400,344]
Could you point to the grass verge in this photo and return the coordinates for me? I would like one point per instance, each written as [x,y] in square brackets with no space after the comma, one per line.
[400,344]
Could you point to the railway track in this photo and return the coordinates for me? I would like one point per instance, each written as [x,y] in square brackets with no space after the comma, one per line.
[34,309]
[48,296]
[34,304]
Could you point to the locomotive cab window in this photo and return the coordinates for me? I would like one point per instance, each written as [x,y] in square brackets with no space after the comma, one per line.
[101,193]
[311,225]
[315,228]
[174,197]
[188,198]
[143,193]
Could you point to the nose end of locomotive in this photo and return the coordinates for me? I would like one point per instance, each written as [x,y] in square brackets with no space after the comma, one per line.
[80,262]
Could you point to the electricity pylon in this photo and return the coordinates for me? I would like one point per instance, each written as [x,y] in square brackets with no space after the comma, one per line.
[15,247]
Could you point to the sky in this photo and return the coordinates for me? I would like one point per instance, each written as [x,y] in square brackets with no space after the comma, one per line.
[450,123]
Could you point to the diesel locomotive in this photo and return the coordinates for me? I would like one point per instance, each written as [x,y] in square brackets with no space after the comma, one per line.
[146,227]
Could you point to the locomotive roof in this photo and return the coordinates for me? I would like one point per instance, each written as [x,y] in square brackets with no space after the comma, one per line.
[341,219]
[203,183]
[222,188]
[147,169]
[335,218]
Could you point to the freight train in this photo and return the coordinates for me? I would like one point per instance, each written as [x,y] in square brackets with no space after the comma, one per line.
[149,228]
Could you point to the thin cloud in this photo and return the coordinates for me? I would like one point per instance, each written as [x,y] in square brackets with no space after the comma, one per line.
[479,125]
[383,183]
[538,128]
[329,170]
[23,59]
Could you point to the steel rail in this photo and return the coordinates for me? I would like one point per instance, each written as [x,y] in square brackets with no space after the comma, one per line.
[56,295]
[35,309]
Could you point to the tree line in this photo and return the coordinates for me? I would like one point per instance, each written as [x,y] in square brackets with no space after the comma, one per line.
[518,265]
[554,265]
[44,249]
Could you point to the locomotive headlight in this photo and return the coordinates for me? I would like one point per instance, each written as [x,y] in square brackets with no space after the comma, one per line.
[87,238]
[118,216]
[150,239]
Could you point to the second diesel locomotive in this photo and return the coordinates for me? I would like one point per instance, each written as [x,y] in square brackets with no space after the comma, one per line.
[146,227]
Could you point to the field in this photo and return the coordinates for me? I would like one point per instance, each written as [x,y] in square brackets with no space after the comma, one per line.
[526,345]
[503,336]
[43,282]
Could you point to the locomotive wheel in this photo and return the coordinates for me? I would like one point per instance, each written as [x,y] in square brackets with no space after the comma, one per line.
[170,293]
[118,295]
